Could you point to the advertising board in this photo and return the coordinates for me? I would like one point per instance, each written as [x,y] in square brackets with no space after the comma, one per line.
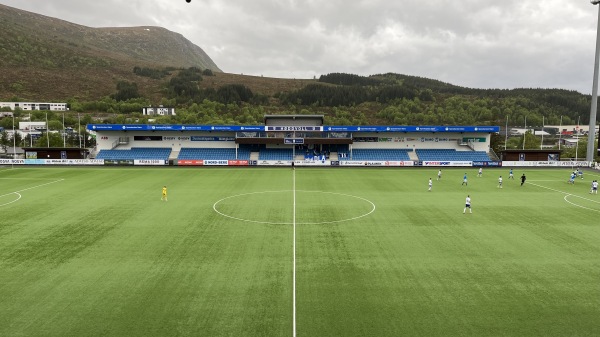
[150,162]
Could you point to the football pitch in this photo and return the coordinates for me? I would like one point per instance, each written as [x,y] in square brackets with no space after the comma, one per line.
[305,252]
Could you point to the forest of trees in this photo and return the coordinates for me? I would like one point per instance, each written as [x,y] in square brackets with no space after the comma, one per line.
[344,99]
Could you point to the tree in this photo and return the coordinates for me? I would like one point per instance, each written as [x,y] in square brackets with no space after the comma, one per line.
[4,140]
[581,149]
[497,142]
[16,138]
[126,90]
[531,141]
[55,140]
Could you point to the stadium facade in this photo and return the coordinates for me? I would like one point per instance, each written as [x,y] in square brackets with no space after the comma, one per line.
[303,141]
[286,140]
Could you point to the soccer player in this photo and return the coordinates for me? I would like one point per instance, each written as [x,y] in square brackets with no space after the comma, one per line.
[572,178]
[523,178]
[468,205]
[500,182]
[510,175]
[439,174]
[164,193]
[580,173]
[480,173]
[594,187]
[430,184]
[464,180]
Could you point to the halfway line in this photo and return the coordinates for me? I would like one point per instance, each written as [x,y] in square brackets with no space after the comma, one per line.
[294,255]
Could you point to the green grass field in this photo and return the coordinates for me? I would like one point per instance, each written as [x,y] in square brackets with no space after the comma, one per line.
[370,252]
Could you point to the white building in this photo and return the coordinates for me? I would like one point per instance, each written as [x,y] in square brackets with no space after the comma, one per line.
[30,106]
[32,126]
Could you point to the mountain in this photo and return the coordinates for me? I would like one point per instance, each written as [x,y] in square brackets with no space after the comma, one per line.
[45,58]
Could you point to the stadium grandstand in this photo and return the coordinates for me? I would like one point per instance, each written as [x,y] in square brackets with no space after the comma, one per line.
[301,139]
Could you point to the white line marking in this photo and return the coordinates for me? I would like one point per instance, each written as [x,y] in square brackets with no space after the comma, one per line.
[8,203]
[567,194]
[574,204]
[290,223]
[24,179]
[294,258]
[29,188]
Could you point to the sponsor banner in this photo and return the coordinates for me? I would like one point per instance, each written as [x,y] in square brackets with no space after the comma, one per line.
[398,163]
[237,163]
[335,163]
[387,163]
[293,140]
[312,163]
[89,161]
[274,163]
[119,162]
[546,163]
[216,162]
[211,139]
[73,161]
[253,162]
[486,129]
[529,163]
[487,163]
[146,127]
[436,163]
[352,163]
[573,163]
[148,138]
[35,161]
[150,162]
[235,128]
[365,139]
[190,162]
[447,163]
[12,161]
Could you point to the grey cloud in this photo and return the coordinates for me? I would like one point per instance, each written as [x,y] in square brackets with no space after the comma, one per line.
[474,43]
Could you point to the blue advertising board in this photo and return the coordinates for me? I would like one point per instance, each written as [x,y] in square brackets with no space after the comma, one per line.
[260,128]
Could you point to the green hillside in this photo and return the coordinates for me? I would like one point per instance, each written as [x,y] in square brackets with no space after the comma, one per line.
[45,58]
[111,73]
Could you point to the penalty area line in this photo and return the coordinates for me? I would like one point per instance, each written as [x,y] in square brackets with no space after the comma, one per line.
[567,195]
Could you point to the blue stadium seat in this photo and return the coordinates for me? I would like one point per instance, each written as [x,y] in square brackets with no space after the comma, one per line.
[136,153]
[375,155]
[276,154]
[451,155]
[213,154]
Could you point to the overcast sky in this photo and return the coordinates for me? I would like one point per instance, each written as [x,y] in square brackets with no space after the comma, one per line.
[471,43]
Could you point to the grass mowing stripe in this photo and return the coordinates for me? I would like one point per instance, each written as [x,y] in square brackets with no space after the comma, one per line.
[100,254]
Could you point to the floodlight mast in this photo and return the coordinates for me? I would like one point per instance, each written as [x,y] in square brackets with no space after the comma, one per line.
[592,127]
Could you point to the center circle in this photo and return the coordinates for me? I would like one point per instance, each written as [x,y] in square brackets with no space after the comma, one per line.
[307,207]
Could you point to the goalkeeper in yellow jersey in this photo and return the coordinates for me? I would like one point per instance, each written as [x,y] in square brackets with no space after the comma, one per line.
[164,193]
